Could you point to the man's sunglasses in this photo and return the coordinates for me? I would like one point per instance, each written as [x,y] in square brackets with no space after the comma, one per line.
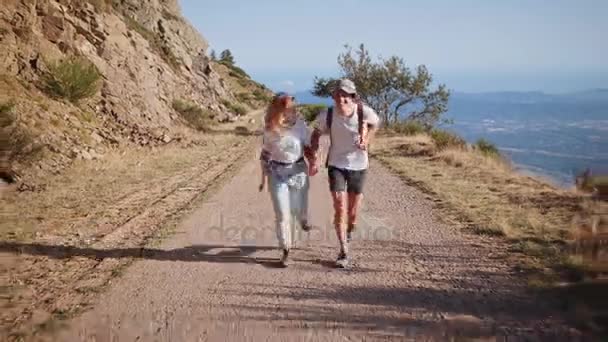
[342,93]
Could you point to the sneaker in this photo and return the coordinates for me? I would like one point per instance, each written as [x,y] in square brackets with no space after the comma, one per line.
[349,232]
[285,258]
[342,261]
[305,226]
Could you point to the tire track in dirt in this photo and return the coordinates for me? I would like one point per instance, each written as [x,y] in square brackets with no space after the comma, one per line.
[60,280]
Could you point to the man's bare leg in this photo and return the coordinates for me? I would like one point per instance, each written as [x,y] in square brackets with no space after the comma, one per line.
[339,200]
[354,201]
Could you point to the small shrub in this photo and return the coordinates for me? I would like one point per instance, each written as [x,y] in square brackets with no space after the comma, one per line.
[15,141]
[310,111]
[407,127]
[243,82]
[236,108]
[74,79]
[197,117]
[226,103]
[239,109]
[487,148]
[249,99]
[260,95]
[6,114]
[244,97]
[444,139]
[235,71]
[87,116]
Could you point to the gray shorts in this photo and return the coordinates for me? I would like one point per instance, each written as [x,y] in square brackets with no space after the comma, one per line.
[346,180]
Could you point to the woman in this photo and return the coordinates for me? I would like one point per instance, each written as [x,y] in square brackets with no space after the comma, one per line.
[285,138]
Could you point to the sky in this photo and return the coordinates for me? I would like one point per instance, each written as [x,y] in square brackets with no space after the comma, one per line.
[469,45]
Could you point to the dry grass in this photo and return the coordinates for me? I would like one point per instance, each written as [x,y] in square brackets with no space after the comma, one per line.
[89,194]
[460,157]
[481,193]
[482,189]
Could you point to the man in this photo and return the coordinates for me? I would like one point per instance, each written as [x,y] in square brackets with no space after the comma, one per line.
[351,124]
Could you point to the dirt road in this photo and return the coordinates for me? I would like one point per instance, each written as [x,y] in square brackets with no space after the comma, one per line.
[413,277]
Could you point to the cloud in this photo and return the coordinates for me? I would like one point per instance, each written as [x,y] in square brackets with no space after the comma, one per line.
[288,85]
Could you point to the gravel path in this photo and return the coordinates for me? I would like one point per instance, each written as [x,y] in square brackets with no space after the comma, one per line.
[413,277]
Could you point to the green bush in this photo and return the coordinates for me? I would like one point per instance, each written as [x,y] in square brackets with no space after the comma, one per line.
[243,97]
[407,127]
[260,95]
[235,71]
[236,108]
[243,82]
[16,143]
[487,148]
[310,111]
[444,139]
[74,79]
[6,114]
[197,117]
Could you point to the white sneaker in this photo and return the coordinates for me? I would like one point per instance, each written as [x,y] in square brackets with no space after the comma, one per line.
[285,258]
[343,260]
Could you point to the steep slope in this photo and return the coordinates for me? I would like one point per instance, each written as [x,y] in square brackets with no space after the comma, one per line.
[151,62]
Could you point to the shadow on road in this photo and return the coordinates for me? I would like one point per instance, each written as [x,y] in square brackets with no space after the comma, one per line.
[195,253]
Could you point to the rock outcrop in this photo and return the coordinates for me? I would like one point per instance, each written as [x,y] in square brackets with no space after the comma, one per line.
[148,56]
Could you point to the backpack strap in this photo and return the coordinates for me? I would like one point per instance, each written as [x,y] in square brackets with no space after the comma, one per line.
[328,120]
[360,117]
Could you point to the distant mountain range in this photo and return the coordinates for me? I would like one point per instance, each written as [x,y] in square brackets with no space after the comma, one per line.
[592,95]
[590,104]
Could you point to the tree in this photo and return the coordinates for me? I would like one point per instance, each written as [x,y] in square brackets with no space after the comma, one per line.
[212,55]
[391,88]
[226,57]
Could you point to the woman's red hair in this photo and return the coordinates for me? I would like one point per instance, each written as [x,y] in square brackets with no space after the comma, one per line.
[275,116]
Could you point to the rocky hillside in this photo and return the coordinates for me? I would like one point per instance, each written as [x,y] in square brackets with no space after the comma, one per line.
[80,77]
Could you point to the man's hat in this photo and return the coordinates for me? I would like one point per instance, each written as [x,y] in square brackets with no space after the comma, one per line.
[347,85]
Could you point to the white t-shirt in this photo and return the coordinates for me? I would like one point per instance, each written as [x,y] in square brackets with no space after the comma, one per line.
[287,145]
[343,152]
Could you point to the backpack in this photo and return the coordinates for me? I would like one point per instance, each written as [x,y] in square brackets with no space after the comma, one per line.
[329,119]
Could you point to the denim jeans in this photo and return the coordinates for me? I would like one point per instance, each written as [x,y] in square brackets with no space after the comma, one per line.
[289,193]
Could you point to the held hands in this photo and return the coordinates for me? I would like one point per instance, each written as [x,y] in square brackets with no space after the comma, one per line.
[312,164]
[311,155]
[312,169]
